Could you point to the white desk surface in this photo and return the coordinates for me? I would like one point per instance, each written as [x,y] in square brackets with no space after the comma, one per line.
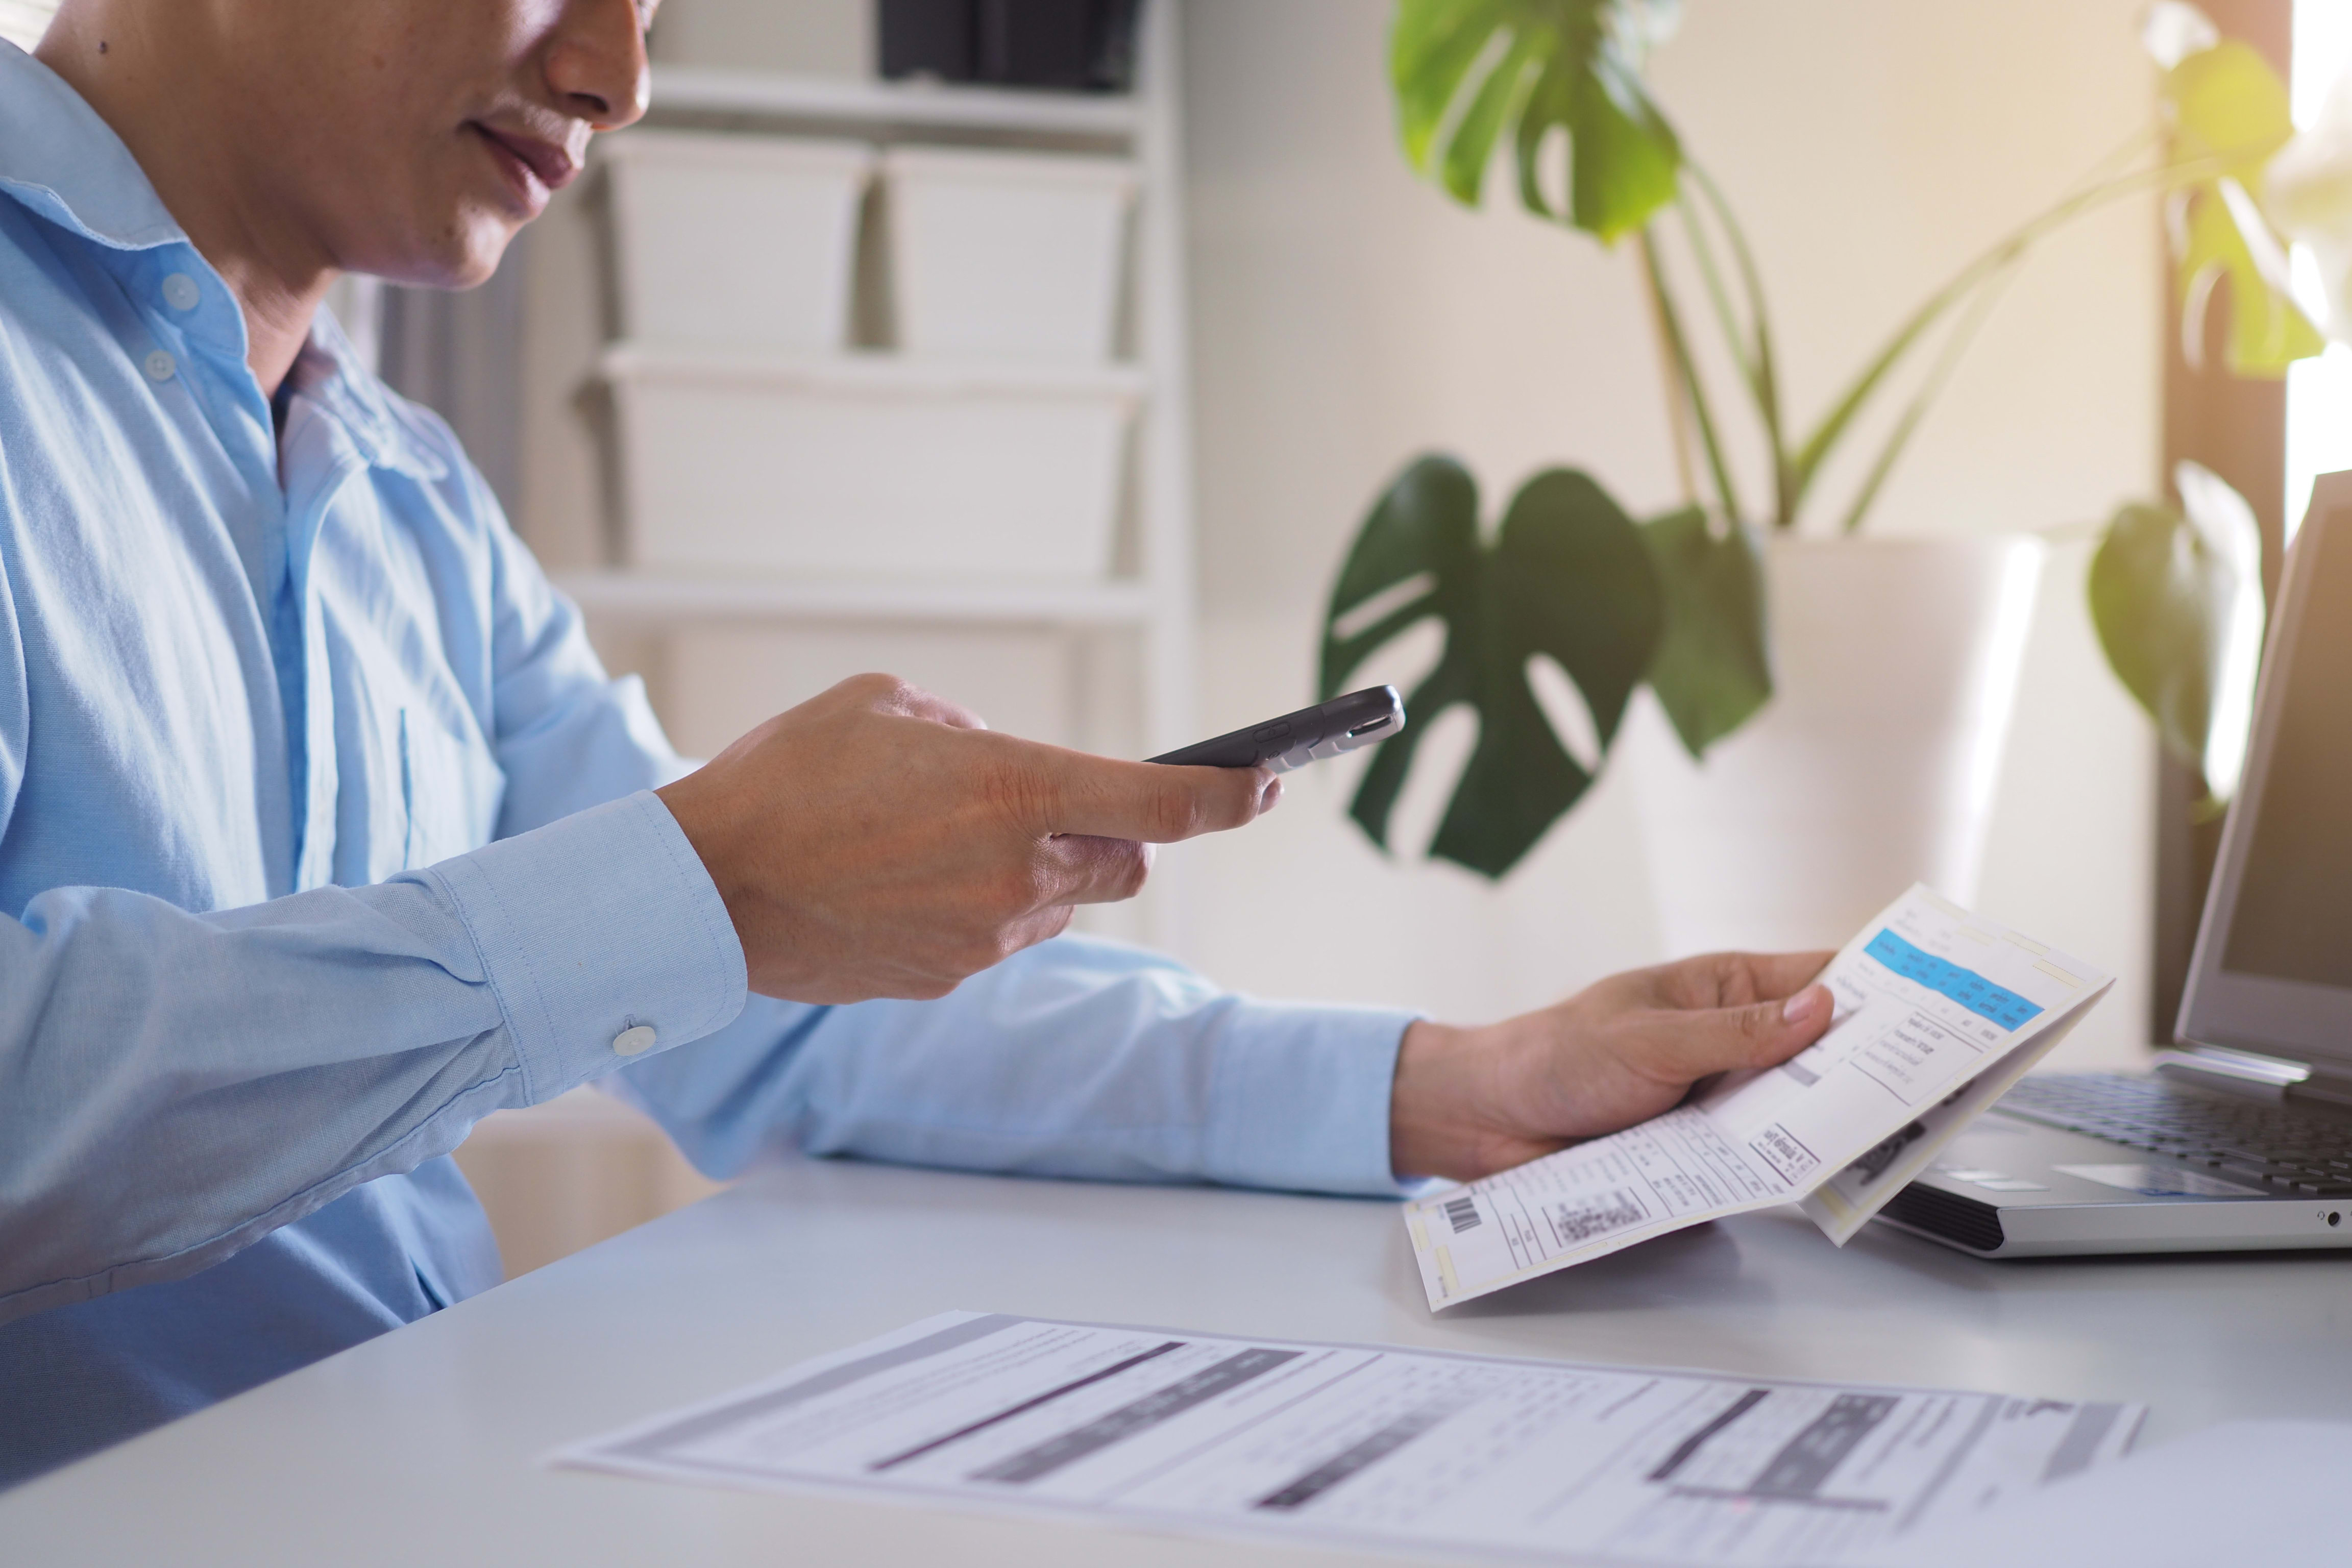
[424,1445]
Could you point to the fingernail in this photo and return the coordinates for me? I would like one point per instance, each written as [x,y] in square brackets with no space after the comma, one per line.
[1804,1007]
[1270,797]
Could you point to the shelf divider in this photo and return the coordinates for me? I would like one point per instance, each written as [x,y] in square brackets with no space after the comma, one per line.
[708,90]
[654,597]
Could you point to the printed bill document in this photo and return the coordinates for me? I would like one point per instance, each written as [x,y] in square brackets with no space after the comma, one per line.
[1373,1447]
[1938,1011]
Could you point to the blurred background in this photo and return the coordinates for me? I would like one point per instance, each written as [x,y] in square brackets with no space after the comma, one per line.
[1263,314]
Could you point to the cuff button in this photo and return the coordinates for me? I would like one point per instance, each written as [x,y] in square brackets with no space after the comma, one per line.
[630,1042]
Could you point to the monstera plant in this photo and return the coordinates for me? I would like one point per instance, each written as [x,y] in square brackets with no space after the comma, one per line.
[1677,601]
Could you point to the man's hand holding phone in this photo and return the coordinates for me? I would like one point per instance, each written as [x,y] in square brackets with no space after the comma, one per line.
[880,841]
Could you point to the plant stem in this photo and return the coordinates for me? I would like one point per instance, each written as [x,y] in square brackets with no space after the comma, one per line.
[1995,284]
[1808,457]
[1765,386]
[2122,153]
[1670,321]
[1678,410]
[1946,364]
[1734,335]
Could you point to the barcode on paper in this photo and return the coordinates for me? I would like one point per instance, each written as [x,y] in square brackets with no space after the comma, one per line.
[1615,1212]
[1463,1212]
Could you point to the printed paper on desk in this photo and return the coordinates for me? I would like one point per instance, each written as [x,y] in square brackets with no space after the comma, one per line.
[1938,1013]
[1375,1448]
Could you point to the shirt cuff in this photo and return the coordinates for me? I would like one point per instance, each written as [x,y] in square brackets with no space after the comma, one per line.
[1300,1099]
[593,930]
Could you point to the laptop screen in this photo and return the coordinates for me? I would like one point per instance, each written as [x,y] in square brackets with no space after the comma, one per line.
[2294,916]
[2272,972]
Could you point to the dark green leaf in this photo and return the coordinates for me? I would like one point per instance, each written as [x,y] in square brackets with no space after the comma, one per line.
[2177,604]
[1712,669]
[1566,575]
[1464,72]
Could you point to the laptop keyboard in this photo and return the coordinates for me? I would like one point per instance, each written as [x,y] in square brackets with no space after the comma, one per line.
[2295,1152]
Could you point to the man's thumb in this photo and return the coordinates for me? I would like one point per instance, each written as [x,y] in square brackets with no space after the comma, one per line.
[1153,802]
[1788,1026]
[1766,1033]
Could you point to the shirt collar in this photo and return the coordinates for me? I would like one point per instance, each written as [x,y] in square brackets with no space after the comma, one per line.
[58,158]
[61,160]
[328,372]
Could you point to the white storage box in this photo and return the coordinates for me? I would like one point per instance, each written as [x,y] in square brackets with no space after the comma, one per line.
[866,465]
[744,240]
[1014,256]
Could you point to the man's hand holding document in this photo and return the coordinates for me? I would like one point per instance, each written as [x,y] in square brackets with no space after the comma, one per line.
[1938,1013]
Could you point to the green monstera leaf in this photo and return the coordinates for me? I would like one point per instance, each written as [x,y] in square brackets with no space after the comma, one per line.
[2224,104]
[1713,668]
[1567,575]
[2177,597]
[1467,71]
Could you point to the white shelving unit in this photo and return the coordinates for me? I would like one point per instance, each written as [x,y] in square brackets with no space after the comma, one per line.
[894,105]
[656,598]
[1152,603]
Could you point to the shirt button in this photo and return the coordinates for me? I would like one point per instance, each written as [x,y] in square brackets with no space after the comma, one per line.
[180,292]
[160,366]
[630,1042]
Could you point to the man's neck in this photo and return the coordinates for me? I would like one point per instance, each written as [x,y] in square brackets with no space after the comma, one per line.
[157,75]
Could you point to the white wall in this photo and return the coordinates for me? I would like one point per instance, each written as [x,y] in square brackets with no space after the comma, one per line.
[1346,316]
[812,37]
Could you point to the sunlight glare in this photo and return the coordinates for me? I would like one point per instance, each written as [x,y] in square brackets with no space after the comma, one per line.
[2318,390]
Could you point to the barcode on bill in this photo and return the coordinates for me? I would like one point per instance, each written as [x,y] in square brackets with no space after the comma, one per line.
[1615,1212]
[1463,1212]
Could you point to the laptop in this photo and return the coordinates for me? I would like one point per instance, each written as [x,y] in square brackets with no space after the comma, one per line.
[2241,1137]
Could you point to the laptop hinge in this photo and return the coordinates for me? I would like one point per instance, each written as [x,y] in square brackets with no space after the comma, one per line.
[2263,1078]
[2241,1073]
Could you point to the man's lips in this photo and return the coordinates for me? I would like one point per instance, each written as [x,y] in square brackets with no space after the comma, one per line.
[528,159]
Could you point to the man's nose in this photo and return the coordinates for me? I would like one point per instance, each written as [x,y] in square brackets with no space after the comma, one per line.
[596,64]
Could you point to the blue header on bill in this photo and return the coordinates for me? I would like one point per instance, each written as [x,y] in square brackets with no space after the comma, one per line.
[1941,975]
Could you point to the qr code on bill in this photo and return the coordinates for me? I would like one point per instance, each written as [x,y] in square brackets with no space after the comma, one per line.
[1582,1223]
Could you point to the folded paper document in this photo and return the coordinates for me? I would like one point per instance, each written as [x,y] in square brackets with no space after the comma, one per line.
[1938,1013]
[1374,1446]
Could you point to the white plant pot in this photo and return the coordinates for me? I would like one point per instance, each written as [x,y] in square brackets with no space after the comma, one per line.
[867,465]
[1011,256]
[1895,665]
[737,240]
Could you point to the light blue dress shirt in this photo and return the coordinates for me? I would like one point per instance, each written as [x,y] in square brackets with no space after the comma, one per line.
[323,834]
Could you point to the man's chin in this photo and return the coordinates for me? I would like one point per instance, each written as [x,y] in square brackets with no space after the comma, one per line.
[463,254]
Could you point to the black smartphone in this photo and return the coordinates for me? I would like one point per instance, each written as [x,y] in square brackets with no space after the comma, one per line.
[1293,741]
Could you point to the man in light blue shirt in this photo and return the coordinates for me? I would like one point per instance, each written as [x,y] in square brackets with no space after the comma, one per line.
[322,833]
